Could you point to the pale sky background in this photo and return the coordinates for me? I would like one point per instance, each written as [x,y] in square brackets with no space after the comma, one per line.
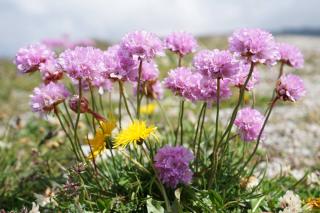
[26,21]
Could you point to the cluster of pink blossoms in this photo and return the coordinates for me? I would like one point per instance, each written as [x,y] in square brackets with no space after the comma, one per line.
[181,42]
[290,55]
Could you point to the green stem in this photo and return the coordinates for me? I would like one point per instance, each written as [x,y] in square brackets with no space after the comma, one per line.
[119,108]
[93,107]
[281,70]
[138,88]
[125,99]
[181,122]
[166,117]
[197,129]
[200,136]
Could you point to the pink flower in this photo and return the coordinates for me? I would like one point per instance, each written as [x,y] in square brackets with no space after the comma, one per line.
[82,63]
[28,59]
[149,72]
[216,64]
[142,44]
[46,97]
[209,90]
[181,42]
[249,122]
[50,71]
[290,88]
[172,165]
[239,79]
[254,45]
[291,55]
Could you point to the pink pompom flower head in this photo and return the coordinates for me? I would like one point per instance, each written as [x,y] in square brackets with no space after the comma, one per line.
[28,59]
[209,90]
[82,63]
[216,64]
[240,78]
[142,45]
[182,43]
[290,55]
[249,123]
[50,71]
[46,97]
[290,87]
[254,46]
[172,165]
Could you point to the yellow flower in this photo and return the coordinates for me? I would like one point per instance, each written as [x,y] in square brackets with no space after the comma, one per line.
[136,133]
[314,203]
[148,109]
[97,144]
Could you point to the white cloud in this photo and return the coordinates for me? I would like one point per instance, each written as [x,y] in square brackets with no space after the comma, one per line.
[25,21]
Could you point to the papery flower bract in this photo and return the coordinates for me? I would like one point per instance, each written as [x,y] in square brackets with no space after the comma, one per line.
[249,122]
[216,63]
[290,55]
[142,44]
[28,59]
[148,109]
[240,78]
[172,165]
[313,203]
[254,45]
[46,97]
[74,104]
[85,63]
[182,43]
[98,143]
[290,87]
[50,71]
[151,89]
[136,134]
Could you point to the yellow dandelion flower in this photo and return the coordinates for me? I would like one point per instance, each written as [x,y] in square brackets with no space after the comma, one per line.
[97,144]
[314,203]
[148,109]
[136,133]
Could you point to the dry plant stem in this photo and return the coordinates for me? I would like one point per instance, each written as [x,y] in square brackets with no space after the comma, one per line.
[56,111]
[138,88]
[260,133]
[125,99]
[158,182]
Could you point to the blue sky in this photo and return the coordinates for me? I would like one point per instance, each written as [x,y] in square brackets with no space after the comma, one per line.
[26,21]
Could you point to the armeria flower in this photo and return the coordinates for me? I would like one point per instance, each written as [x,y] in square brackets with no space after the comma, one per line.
[148,109]
[103,134]
[172,165]
[142,44]
[46,97]
[249,122]
[254,45]
[290,202]
[137,133]
[28,59]
[216,64]
[208,90]
[118,64]
[290,88]
[240,78]
[82,63]
[181,42]
[290,55]
[50,71]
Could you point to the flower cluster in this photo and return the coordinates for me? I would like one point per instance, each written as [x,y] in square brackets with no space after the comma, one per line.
[172,165]
[240,78]
[249,122]
[290,55]
[290,203]
[181,42]
[50,71]
[290,88]
[46,97]
[254,45]
[28,59]
[216,64]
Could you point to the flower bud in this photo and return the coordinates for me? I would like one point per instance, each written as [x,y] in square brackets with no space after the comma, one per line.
[74,103]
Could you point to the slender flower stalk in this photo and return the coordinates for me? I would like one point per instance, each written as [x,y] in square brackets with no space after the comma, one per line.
[200,136]
[181,122]
[281,70]
[138,90]
[198,127]
[125,99]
